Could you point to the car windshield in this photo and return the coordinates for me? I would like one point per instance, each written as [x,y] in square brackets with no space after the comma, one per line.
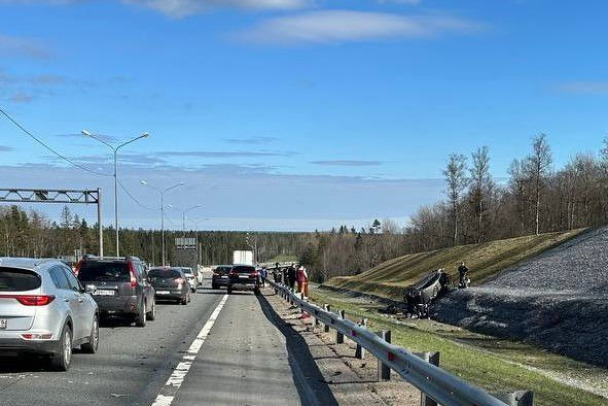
[222,270]
[18,280]
[187,270]
[104,271]
[164,273]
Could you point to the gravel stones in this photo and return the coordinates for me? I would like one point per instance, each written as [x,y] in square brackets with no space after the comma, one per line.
[557,300]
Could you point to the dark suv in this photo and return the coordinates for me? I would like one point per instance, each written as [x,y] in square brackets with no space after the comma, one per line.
[243,277]
[119,286]
[220,276]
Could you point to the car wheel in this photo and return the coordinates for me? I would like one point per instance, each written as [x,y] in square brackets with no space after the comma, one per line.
[229,289]
[256,291]
[61,360]
[152,313]
[141,318]
[93,344]
[213,286]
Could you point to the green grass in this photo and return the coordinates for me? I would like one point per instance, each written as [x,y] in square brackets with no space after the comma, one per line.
[283,258]
[497,365]
[485,260]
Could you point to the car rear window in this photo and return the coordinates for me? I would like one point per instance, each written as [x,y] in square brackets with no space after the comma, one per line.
[187,270]
[222,270]
[243,269]
[104,271]
[164,273]
[18,280]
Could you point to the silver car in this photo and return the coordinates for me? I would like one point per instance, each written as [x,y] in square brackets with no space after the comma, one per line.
[45,310]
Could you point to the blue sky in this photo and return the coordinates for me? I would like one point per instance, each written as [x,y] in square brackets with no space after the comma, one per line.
[292,114]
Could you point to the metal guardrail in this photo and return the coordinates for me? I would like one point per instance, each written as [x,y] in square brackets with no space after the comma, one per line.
[438,384]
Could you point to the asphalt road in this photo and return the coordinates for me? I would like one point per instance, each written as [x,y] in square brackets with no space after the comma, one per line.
[241,357]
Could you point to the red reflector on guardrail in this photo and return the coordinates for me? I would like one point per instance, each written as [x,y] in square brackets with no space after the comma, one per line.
[391,356]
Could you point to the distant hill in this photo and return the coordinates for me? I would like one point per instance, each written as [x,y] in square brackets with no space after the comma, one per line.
[485,260]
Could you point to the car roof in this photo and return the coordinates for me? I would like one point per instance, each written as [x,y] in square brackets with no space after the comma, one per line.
[26,263]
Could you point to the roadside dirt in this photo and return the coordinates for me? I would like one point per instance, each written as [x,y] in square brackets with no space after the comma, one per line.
[353,382]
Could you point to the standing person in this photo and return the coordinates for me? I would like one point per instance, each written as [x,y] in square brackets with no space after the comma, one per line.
[302,276]
[264,276]
[291,277]
[463,271]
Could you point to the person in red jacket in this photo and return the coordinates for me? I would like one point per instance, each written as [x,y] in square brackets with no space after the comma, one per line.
[302,277]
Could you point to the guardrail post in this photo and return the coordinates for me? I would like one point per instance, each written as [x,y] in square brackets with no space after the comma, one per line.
[360,351]
[327,308]
[340,336]
[433,358]
[384,371]
[519,398]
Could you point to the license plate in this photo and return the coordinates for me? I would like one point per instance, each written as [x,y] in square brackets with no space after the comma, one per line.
[224,276]
[2,324]
[162,292]
[105,292]
[243,276]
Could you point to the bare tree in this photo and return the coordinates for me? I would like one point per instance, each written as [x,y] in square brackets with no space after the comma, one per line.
[481,185]
[455,176]
[538,168]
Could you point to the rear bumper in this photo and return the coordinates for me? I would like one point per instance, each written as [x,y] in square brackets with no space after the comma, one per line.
[220,281]
[172,295]
[117,305]
[19,345]
[244,285]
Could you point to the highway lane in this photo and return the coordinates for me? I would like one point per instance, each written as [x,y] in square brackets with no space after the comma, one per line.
[248,357]
[130,368]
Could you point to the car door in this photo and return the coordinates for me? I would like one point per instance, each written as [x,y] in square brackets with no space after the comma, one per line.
[142,278]
[65,294]
[83,314]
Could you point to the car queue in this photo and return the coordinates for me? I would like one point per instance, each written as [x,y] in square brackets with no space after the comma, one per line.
[48,309]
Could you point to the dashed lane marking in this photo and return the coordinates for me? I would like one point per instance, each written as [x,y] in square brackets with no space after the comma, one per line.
[168,392]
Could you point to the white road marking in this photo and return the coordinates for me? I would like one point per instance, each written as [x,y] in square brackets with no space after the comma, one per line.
[165,398]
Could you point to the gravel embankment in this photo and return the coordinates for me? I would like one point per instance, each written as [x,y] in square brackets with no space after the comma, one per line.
[558,300]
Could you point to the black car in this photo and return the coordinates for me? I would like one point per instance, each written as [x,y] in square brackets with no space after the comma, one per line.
[244,277]
[120,287]
[170,284]
[220,276]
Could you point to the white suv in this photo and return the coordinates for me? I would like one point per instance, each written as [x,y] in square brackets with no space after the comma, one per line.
[45,310]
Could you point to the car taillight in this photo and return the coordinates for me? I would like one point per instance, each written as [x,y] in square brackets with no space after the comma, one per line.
[31,300]
[233,273]
[216,274]
[253,275]
[77,268]
[132,273]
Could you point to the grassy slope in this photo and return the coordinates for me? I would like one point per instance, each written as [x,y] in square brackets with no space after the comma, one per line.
[484,260]
[494,364]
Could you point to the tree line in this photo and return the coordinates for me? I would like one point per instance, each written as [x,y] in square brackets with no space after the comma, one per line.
[478,207]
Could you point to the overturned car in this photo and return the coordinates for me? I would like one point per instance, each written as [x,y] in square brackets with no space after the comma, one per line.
[419,297]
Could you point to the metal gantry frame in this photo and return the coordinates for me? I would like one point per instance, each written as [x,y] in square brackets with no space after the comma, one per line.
[62,196]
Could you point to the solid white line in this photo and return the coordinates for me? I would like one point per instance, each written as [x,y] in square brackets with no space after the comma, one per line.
[178,376]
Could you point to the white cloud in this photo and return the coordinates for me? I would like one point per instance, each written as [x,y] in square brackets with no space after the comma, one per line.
[598,88]
[398,1]
[338,26]
[16,46]
[182,8]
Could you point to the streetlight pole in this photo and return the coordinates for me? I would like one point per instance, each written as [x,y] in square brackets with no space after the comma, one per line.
[184,218]
[115,151]
[162,213]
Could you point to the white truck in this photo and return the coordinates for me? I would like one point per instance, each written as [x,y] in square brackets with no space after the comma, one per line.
[242,257]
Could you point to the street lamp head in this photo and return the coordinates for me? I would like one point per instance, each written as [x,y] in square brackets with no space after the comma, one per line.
[143,182]
[145,134]
[85,132]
